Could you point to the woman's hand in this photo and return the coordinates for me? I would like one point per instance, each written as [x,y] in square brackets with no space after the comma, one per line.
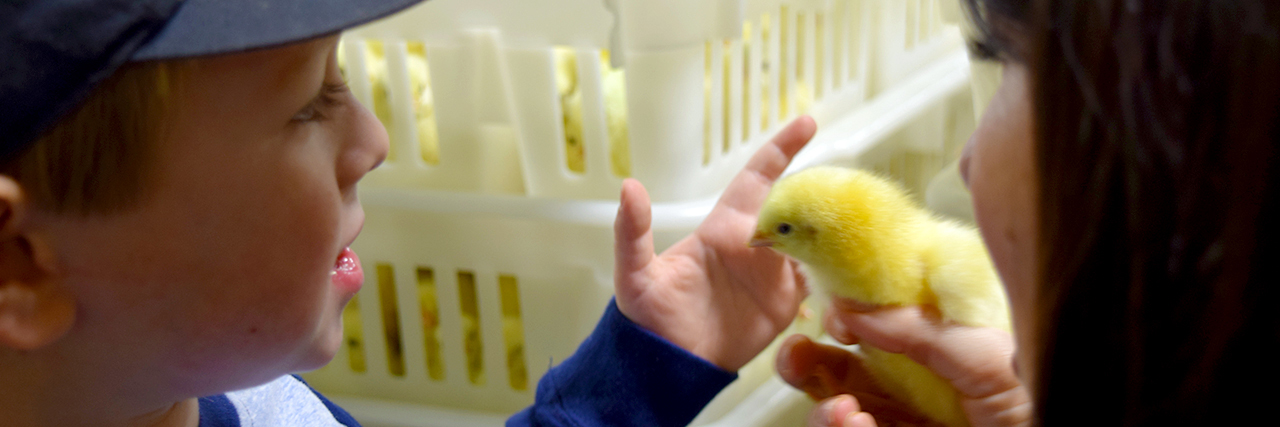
[710,293]
[976,361]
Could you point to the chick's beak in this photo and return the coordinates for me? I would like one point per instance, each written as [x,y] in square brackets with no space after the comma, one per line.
[760,240]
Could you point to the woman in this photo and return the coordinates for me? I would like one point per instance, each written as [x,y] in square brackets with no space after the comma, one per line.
[1123,181]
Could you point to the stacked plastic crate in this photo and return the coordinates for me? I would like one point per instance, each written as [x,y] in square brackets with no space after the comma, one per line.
[488,238]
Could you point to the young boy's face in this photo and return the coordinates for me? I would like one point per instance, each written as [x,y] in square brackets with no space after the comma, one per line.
[227,274]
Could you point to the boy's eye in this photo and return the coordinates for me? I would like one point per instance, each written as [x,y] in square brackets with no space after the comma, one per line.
[330,96]
[309,113]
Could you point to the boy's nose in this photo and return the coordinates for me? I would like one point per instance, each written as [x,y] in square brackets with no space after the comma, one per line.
[367,148]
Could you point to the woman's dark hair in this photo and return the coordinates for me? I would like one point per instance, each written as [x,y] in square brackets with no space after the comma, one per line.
[1156,126]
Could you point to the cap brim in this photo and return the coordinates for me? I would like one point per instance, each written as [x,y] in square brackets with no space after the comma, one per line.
[207,27]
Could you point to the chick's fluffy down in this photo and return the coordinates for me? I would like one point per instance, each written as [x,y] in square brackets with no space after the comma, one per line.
[861,236]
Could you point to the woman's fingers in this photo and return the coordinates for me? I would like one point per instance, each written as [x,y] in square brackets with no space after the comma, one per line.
[976,361]
[810,367]
[840,411]
[823,371]
[836,329]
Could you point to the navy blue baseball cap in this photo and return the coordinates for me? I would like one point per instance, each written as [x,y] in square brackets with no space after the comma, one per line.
[53,52]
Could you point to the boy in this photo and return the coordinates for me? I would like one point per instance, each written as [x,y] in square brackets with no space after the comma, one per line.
[177,197]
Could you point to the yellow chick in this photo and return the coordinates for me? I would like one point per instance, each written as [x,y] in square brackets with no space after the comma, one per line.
[860,236]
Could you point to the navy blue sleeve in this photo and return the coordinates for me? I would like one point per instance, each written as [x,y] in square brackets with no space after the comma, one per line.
[624,375]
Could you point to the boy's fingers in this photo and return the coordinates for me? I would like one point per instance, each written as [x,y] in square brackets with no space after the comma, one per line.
[632,235]
[749,188]
[774,157]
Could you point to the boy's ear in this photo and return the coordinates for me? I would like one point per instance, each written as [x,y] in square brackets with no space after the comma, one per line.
[34,308]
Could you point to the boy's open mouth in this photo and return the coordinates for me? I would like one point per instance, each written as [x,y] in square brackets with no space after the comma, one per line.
[346,274]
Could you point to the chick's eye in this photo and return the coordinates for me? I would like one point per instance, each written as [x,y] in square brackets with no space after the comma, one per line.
[784,228]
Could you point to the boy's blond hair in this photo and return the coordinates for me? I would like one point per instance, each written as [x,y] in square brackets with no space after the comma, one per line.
[96,159]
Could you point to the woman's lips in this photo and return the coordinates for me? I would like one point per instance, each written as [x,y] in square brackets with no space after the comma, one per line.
[347,274]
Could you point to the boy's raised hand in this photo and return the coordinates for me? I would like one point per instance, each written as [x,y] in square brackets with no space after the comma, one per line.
[710,293]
